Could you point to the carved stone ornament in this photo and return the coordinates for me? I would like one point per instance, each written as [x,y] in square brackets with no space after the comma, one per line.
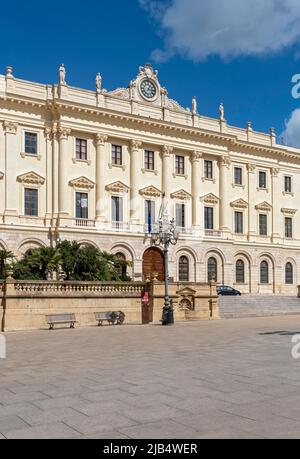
[196,155]
[264,206]
[31,178]
[239,204]
[117,187]
[225,161]
[63,132]
[10,127]
[167,150]
[288,211]
[251,167]
[82,183]
[186,298]
[181,195]
[135,145]
[100,139]
[275,171]
[210,199]
[150,192]
[1,175]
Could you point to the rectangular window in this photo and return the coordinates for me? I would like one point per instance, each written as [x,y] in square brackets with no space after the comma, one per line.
[238,222]
[116,209]
[31,202]
[116,155]
[262,179]
[208,169]
[81,149]
[287,184]
[180,215]
[263,227]
[288,227]
[31,143]
[238,176]
[82,205]
[179,165]
[209,218]
[149,160]
[149,213]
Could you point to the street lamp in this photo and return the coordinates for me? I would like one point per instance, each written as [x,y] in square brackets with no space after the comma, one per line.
[165,234]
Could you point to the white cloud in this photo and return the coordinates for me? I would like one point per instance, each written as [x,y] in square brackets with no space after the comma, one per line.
[291,134]
[227,28]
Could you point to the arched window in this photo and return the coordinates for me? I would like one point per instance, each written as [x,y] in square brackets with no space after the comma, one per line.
[264,272]
[240,272]
[184,275]
[122,268]
[212,270]
[289,273]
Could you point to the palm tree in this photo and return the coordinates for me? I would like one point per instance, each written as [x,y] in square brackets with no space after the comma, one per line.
[4,256]
[45,259]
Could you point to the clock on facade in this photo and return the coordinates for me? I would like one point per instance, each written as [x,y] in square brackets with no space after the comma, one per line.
[148,89]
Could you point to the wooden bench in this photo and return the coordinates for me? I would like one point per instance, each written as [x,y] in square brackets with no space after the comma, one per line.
[112,317]
[54,319]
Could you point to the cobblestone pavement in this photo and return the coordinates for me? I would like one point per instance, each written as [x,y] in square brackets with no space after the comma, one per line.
[222,379]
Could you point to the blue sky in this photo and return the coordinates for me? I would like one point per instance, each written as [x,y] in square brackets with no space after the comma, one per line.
[247,64]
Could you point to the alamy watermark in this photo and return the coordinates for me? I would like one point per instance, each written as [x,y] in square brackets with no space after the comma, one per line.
[296,87]
[2,347]
[296,347]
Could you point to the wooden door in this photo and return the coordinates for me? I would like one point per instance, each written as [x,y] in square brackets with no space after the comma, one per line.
[153,262]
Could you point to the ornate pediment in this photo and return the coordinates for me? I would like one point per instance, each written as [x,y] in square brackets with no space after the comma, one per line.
[150,192]
[210,199]
[186,291]
[288,211]
[181,195]
[31,178]
[1,175]
[117,187]
[264,206]
[82,183]
[239,204]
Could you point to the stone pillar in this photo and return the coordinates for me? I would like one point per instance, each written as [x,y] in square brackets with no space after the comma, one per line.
[55,149]
[225,180]
[196,189]
[167,170]
[135,167]
[11,158]
[252,220]
[63,163]
[276,211]
[49,166]
[100,182]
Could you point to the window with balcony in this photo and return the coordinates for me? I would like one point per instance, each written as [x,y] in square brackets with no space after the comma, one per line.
[209,218]
[82,206]
[149,160]
[81,149]
[31,143]
[31,202]
[179,165]
[116,155]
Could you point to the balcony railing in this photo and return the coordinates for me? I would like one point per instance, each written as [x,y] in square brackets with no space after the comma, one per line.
[213,233]
[120,226]
[84,223]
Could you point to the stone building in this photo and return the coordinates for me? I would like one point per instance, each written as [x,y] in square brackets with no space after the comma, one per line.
[94,165]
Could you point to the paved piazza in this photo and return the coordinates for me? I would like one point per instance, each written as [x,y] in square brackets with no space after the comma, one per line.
[223,379]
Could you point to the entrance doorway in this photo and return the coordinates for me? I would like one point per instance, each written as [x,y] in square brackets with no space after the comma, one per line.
[153,262]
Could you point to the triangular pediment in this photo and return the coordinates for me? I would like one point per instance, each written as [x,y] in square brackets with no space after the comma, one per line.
[210,199]
[181,194]
[31,178]
[239,204]
[117,187]
[264,206]
[82,182]
[150,192]
[287,211]
[186,291]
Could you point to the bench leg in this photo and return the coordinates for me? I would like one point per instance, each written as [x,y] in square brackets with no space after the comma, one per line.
[51,327]
[72,325]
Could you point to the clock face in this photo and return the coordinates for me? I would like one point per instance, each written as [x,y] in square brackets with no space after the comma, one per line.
[148,89]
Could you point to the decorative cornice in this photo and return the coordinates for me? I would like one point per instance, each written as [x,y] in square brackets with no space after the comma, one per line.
[239,204]
[210,199]
[82,183]
[117,187]
[135,145]
[288,211]
[150,192]
[182,195]
[10,127]
[100,139]
[31,178]
[264,206]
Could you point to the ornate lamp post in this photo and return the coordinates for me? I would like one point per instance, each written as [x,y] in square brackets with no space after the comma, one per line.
[164,235]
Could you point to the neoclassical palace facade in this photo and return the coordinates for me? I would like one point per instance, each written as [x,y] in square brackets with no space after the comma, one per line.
[93,166]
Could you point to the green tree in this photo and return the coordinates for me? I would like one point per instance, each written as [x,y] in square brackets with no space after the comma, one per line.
[43,260]
[69,251]
[5,255]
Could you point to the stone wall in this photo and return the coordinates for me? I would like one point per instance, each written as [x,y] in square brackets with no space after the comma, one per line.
[24,305]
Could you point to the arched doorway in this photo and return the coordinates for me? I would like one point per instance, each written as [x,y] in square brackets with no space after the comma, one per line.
[153,262]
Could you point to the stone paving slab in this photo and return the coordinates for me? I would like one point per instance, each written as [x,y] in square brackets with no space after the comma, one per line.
[221,379]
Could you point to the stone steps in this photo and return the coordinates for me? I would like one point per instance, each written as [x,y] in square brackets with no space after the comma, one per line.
[257,306]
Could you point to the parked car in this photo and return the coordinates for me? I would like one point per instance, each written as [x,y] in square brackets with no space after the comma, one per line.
[225,290]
